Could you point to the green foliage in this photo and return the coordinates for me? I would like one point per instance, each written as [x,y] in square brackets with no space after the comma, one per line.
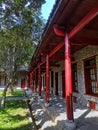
[16,93]
[21,26]
[14,116]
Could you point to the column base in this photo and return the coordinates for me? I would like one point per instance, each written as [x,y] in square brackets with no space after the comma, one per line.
[39,97]
[70,125]
[47,104]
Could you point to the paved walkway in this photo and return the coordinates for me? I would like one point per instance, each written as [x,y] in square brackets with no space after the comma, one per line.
[54,116]
[17,98]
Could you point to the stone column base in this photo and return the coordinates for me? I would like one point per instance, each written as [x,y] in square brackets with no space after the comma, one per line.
[47,104]
[70,125]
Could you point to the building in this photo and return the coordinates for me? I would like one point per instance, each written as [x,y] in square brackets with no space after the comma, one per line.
[66,60]
[21,80]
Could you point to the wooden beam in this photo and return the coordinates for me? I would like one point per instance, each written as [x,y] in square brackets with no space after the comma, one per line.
[59,46]
[57,58]
[91,15]
[84,41]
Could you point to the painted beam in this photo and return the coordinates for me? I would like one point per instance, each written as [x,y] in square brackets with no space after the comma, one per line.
[59,46]
[68,79]
[84,41]
[58,31]
[57,58]
[91,15]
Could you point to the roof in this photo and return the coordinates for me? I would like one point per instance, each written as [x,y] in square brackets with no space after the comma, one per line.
[66,14]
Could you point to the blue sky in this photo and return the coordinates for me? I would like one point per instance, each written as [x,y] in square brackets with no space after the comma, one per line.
[46,8]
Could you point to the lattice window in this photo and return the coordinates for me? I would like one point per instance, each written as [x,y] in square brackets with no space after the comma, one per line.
[90,76]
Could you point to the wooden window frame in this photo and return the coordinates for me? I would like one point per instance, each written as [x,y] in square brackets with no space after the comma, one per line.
[91,86]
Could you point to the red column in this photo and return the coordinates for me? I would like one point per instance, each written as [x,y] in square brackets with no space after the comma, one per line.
[56,83]
[26,81]
[39,80]
[68,80]
[31,80]
[63,84]
[34,82]
[47,79]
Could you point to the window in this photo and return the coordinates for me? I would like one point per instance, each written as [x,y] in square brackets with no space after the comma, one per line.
[74,77]
[90,76]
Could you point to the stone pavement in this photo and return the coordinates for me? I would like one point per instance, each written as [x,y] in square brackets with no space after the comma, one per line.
[18,98]
[54,116]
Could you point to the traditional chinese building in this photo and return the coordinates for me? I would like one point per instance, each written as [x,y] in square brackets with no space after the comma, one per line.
[21,78]
[66,60]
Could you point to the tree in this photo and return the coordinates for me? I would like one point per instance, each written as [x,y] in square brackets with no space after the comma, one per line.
[21,27]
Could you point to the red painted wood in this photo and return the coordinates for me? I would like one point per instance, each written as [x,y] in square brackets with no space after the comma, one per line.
[52,80]
[74,99]
[43,62]
[56,83]
[68,79]
[58,47]
[27,81]
[91,15]
[31,80]
[34,87]
[47,80]
[57,57]
[58,31]
[23,83]
[63,84]
[39,80]
[34,81]
[84,41]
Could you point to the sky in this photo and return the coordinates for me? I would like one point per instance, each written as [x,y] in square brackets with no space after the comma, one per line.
[46,8]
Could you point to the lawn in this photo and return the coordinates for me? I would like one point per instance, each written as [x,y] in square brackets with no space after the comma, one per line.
[16,93]
[15,116]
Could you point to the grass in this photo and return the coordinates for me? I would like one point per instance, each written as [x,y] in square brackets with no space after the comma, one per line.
[15,116]
[17,93]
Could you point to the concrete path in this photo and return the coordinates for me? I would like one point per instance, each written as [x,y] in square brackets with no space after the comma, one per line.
[17,98]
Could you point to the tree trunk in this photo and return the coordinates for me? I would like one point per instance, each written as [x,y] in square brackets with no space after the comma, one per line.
[4,97]
[12,88]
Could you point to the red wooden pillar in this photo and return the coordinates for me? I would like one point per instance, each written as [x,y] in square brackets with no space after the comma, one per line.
[27,81]
[68,79]
[34,82]
[39,80]
[47,79]
[23,83]
[56,83]
[63,84]
[31,80]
